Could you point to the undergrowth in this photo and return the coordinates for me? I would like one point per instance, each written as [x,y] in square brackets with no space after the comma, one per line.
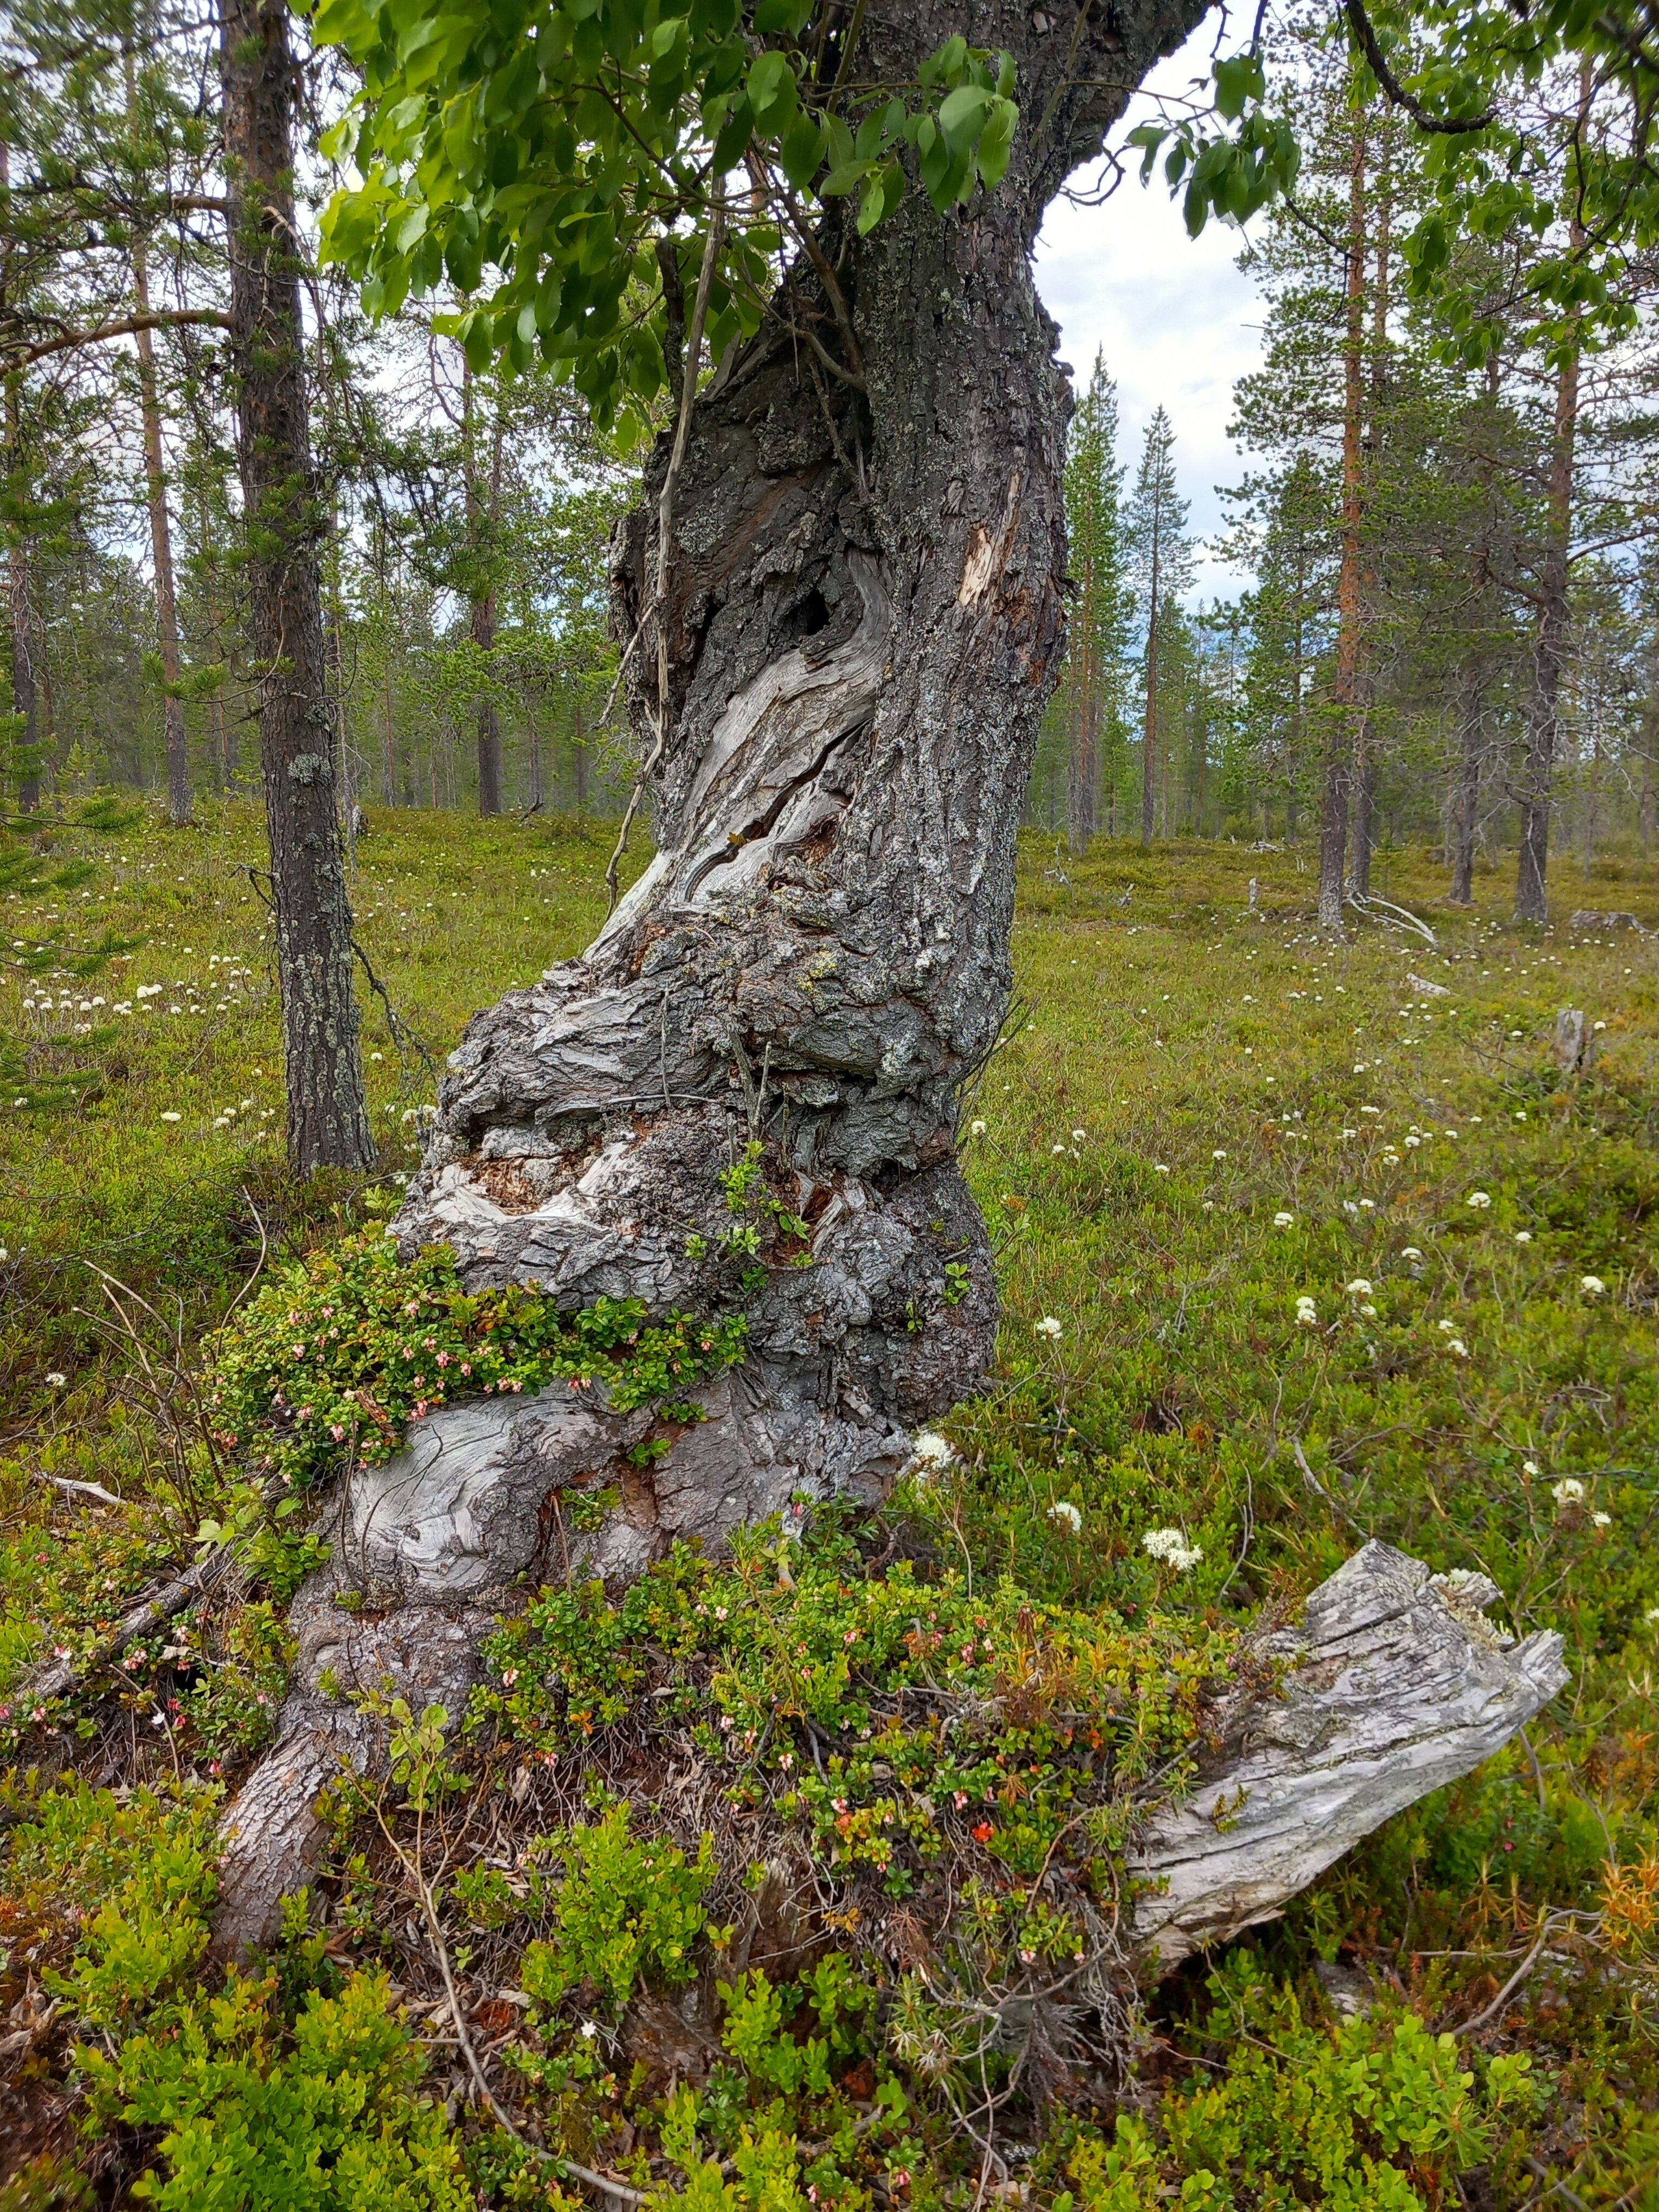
[763,1883]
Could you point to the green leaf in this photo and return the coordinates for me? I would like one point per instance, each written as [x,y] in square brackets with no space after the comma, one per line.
[844,179]
[1237,82]
[961,114]
[343,23]
[772,90]
[996,142]
[802,150]
[882,194]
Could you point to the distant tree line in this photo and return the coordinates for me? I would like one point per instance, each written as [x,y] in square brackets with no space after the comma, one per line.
[462,518]
[1451,630]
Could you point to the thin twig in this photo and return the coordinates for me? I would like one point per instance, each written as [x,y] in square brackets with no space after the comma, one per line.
[84,1489]
[400,1028]
[1491,2012]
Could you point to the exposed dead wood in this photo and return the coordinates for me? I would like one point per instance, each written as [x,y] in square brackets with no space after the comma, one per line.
[1395,1684]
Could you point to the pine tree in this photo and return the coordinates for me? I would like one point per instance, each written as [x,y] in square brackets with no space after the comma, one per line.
[1163,565]
[1092,701]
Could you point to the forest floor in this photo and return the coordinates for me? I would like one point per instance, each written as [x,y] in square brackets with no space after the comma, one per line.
[1202,1114]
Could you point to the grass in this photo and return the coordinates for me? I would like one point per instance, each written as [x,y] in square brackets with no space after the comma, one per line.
[1205,1120]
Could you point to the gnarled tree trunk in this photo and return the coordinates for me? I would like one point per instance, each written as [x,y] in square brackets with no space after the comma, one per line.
[863,626]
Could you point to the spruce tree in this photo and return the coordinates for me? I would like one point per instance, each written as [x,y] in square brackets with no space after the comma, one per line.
[1162,555]
[1092,697]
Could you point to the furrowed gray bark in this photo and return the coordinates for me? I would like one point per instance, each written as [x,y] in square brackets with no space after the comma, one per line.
[862,626]
[327,1116]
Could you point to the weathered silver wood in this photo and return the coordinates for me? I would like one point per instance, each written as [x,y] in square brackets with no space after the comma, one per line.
[1394,1684]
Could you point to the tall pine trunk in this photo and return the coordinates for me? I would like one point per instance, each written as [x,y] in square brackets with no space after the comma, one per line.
[1149,724]
[285,519]
[862,627]
[482,498]
[1471,758]
[21,612]
[1366,764]
[1548,656]
[1347,709]
[161,532]
[1550,636]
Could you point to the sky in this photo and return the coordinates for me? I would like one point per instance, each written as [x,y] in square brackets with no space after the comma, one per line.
[1178,322]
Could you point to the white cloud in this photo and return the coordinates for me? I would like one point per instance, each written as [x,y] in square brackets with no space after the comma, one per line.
[1178,321]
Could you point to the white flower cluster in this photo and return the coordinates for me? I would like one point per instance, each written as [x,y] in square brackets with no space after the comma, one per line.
[1064,1515]
[1171,1546]
[1307,1313]
[1049,1327]
[930,1454]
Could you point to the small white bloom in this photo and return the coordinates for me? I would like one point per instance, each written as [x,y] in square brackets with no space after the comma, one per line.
[1602,1520]
[1049,1327]
[1080,1136]
[1307,1313]
[1284,1220]
[172,1117]
[1217,1156]
[1447,1327]
[1369,1311]
[1410,1252]
[55,1381]
[1056,1148]
[1170,1545]
[1064,1515]
[1530,1467]
[1524,1235]
[1359,1288]
[1456,1346]
[1479,1200]
[1652,1615]
[1568,1492]
[932,1451]
[590,2029]
[1160,1169]
[976,1128]
[1591,1286]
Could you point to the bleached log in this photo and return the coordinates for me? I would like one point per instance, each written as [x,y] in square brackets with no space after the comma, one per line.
[1395,1684]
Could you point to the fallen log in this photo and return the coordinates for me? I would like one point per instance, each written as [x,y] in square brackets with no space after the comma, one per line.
[1395,1685]
[160,1603]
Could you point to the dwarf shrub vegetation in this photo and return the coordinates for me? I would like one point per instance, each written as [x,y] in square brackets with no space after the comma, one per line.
[900,1728]
[288,2089]
[1215,1122]
[334,1358]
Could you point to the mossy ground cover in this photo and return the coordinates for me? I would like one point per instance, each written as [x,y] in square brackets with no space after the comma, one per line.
[1292,1250]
